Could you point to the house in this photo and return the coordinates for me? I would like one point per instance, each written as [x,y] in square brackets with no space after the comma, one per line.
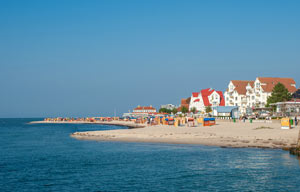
[184,103]
[144,109]
[226,111]
[206,97]
[254,94]
[168,106]
[263,87]
[240,93]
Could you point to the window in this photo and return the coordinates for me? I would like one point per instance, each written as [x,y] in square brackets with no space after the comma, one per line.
[236,98]
[253,97]
[257,85]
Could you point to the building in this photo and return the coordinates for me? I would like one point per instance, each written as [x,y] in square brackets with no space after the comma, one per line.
[184,103]
[226,112]
[254,94]
[206,97]
[263,87]
[168,106]
[287,108]
[144,109]
[240,93]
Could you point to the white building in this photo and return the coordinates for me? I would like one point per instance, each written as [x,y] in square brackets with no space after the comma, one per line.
[240,93]
[168,106]
[206,97]
[253,94]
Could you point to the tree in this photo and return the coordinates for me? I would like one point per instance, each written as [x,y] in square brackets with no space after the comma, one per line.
[165,110]
[208,109]
[279,93]
[194,110]
[174,110]
[184,109]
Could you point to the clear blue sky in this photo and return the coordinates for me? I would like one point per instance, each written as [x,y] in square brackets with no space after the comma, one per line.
[85,58]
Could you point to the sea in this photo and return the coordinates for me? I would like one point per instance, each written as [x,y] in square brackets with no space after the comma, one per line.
[43,157]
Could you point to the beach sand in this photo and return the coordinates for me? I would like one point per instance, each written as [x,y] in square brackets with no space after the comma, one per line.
[224,134]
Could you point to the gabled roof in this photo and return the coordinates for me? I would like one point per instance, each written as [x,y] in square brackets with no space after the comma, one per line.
[205,93]
[222,102]
[272,81]
[240,86]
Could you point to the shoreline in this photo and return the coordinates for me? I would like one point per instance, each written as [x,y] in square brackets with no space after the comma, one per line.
[223,134]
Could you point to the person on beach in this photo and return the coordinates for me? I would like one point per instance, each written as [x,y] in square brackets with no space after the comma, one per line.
[296,121]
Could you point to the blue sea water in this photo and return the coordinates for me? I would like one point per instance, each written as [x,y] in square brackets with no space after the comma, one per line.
[43,157]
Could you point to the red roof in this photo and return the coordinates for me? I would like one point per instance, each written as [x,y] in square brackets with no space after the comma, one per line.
[272,81]
[144,108]
[195,94]
[205,93]
[240,86]
[222,102]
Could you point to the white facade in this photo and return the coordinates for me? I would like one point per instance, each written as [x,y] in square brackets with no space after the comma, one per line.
[204,98]
[260,95]
[197,102]
[253,94]
[236,95]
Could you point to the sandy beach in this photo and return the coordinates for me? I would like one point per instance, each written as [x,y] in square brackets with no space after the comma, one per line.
[224,134]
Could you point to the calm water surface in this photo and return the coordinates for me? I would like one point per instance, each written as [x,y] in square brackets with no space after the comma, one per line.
[43,157]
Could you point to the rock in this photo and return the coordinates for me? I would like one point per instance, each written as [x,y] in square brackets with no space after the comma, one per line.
[295,151]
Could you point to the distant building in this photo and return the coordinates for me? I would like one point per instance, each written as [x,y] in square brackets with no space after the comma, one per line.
[168,106]
[254,94]
[206,97]
[184,103]
[144,109]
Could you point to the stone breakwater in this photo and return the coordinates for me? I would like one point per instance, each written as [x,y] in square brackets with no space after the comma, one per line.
[130,125]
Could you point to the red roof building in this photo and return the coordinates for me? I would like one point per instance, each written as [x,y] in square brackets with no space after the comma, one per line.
[206,97]
[144,109]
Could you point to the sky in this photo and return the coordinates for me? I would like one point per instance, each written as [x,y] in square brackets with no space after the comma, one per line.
[89,58]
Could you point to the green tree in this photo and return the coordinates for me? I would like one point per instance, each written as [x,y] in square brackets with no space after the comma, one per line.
[174,110]
[279,93]
[194,110]
[184,109]
[208,109]
[164,110]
